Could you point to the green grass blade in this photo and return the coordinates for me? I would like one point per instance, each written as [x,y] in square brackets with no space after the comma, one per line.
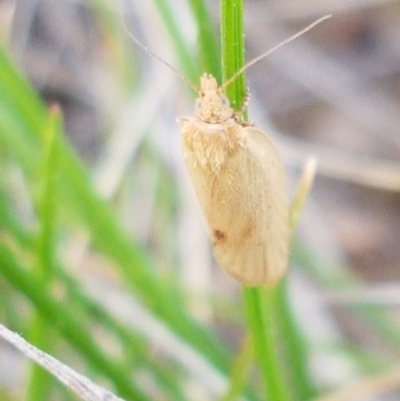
[39,385]
[208,45]
[182,50]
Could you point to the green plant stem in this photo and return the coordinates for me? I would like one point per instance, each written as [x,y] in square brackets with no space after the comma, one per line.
[233,51]
[259,304]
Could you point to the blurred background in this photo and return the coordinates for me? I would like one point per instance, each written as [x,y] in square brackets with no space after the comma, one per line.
[333,94]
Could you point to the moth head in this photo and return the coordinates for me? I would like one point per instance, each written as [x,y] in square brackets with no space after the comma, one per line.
[212,105]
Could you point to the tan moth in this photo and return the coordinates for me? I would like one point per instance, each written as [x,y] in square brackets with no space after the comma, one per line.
[240,182]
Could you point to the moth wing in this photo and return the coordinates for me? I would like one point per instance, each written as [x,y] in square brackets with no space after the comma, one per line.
[246,210]
[257,253]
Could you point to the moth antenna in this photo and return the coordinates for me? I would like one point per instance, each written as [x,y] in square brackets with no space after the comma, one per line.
[147,50]
[272,50]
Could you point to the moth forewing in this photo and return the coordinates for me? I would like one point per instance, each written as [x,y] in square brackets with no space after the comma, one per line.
[240,182]
[271,205]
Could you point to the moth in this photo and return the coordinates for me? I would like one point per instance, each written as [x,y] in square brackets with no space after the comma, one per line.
[240,182]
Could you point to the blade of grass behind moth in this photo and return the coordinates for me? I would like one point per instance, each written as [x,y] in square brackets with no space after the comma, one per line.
[296,350]
[208,46]
[182,49]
